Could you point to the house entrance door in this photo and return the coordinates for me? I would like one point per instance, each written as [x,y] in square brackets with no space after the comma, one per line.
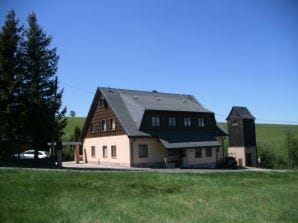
[248,159]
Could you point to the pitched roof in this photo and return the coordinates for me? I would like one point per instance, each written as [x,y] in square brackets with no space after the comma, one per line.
[241,112]
[129,105]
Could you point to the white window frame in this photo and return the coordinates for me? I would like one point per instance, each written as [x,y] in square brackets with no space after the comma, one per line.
[155,121]
[172,121]
[187,122]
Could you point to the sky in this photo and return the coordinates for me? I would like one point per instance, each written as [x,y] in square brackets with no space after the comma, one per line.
[224,52]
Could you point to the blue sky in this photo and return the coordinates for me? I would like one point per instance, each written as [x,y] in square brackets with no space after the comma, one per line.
[224,52]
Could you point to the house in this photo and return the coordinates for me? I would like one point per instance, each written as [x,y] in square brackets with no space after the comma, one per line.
[242,136]
[150,129]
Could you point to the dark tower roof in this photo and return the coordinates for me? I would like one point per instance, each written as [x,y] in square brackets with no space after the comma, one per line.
[240,112]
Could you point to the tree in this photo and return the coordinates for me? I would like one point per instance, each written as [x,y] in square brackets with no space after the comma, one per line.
[45,121]
[72,113]
[76,134]
[10,80]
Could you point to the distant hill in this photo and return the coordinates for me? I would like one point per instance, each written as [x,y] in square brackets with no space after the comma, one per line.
[271,135]
[71,124]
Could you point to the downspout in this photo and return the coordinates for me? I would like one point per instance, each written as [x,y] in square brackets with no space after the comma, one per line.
[131,151]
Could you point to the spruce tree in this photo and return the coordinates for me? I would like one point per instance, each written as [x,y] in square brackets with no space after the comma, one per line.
[45,121]
[10,82]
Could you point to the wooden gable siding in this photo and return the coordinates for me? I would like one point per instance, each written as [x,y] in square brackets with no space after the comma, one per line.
[241,132]
[103,113]
[209,120]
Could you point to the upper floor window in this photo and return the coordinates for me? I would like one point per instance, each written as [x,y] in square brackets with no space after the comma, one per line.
[91,128]
[234,123]
[155,121]
[103,125]
[101,102]
[201,122]
[112,124]
[187,122]
[172,121]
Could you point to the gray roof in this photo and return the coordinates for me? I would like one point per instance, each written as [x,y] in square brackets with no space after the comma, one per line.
[129,106]
[185,145]
[241,112]
[186,139]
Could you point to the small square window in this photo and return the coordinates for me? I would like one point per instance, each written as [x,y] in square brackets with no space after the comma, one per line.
[187,122]
[155,121]
[143,151]
[172,121]
[201,122]
[114,151]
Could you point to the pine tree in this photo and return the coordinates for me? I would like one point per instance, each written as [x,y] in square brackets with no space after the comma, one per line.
[10,81]
[45,121]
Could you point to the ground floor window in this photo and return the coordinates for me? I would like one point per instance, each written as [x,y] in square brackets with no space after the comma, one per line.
[104,151]
[198,153]
[143,151]
[208,152]
[172,152]
[114,151]
[93,151]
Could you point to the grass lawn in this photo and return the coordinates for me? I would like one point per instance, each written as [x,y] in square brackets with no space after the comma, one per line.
[68,196]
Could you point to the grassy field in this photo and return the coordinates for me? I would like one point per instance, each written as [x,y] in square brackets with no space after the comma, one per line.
[71,124]
[64,196]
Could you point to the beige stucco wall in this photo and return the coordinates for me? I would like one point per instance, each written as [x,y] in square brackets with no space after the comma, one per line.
[122,147]
[240,152]
[156,152]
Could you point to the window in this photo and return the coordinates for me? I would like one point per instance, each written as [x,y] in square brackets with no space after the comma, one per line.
[187,122]
[93,151]
[114,151]
[172,121]
[198,153]
[208,152]
[234,123]
[201,122]
[104,152]
[103,125]
[91,128]
[155,121]
[172,152]
[143,151]
[101,102]
[112,124]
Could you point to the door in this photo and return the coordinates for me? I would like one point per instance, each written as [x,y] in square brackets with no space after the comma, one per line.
[248,159]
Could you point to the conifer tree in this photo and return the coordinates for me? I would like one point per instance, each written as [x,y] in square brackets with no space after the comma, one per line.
[10,81]
[45,121]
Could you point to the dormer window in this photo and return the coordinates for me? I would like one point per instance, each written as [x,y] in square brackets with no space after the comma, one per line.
[201,122]
[172,121]
[155,121]
[187,121]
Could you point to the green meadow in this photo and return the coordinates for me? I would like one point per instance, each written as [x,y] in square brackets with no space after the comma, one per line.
[70,196]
